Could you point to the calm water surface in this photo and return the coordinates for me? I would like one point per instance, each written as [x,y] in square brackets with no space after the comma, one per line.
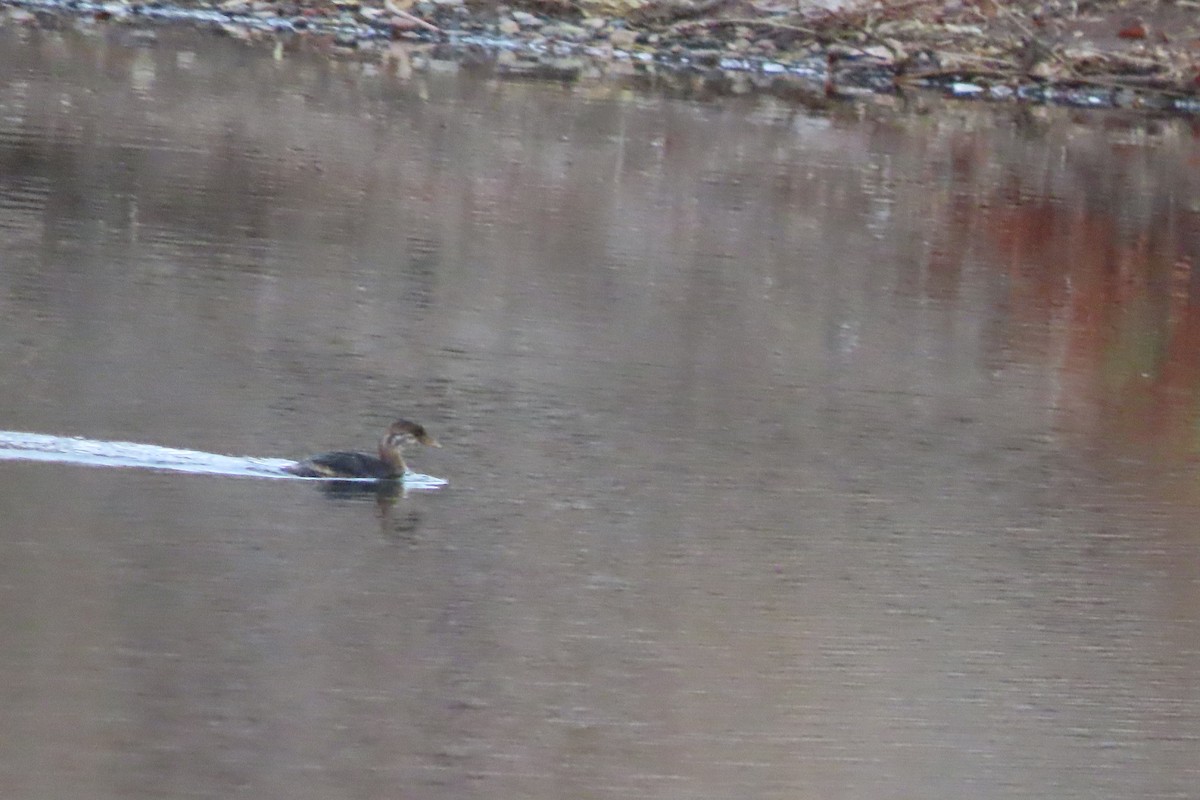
[842,456]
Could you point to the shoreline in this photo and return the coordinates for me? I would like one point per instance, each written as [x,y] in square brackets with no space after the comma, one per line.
[836,56]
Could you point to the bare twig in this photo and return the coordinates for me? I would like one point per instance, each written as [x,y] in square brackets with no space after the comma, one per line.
[934,74]
[397,11]
[1037,40]
[716,22]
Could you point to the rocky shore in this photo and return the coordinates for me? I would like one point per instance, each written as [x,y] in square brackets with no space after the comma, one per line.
[1140,54]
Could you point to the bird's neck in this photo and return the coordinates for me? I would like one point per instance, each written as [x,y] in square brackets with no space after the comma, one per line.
[389,453]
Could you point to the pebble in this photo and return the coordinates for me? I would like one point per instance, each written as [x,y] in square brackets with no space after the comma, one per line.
[565,30]
[346,37]
[622,37]
[526,20]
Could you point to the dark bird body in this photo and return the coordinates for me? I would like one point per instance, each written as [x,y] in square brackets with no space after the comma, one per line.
[387,465]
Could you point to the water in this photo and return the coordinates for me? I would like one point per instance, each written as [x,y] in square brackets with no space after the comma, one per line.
[848,455]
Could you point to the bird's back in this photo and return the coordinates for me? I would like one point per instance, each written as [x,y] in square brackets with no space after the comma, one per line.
[342,465]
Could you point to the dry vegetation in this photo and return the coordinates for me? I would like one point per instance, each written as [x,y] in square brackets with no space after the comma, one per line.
[1137,45]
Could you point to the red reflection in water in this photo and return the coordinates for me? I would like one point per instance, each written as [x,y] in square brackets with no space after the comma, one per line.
[1121,315]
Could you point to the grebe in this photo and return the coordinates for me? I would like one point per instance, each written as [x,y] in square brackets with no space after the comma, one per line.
[389,464]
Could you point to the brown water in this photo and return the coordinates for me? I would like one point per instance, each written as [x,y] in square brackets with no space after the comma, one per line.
[845,456]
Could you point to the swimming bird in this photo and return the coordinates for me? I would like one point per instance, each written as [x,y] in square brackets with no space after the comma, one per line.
[389,464]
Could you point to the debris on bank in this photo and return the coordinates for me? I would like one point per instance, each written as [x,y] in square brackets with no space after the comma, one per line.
[1109,53]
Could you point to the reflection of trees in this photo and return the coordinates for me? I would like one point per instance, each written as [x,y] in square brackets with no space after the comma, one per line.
[1117,299]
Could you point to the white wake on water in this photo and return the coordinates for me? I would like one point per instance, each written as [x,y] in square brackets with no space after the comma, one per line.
[20,446]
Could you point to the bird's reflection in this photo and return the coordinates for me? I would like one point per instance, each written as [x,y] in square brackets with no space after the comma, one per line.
[387,491]
[386,494]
